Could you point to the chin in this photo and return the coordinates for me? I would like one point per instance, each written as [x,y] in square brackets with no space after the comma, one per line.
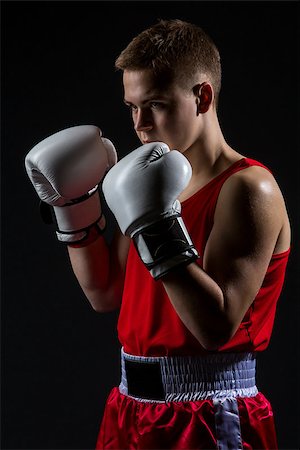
[179,148]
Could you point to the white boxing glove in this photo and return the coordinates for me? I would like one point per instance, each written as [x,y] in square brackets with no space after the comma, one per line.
[65,170]
[142,191]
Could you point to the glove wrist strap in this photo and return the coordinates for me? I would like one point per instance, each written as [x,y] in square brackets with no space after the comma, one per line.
[165,245]
[79,222]
[84,237]
[78,215]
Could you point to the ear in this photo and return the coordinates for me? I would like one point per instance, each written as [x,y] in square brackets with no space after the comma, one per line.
[204,97]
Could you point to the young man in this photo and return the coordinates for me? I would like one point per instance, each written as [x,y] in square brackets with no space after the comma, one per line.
[198,263]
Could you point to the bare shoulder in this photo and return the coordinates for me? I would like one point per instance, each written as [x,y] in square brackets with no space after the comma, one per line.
[252,199]
[254,184]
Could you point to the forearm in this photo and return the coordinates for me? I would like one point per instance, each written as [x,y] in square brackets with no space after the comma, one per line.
[199,302]
[92,266]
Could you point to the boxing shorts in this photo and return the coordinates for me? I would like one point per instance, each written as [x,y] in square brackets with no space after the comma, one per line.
[207,402]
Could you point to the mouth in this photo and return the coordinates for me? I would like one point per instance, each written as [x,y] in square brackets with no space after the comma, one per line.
[148,141]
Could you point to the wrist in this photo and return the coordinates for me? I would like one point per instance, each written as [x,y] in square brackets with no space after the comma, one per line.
[87,236]
[165,245]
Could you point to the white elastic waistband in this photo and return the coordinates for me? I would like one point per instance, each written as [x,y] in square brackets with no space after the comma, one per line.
[188,378]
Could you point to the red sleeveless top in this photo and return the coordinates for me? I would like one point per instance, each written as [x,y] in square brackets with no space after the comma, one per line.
[149,325]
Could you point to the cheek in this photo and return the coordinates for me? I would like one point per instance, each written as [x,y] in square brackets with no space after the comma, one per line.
[181,124]
[139,135]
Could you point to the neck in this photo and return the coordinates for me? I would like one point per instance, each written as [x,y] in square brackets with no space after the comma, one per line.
[208,156]
[210,151]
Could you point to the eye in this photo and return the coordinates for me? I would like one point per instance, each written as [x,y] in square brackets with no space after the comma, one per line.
[131,107]
[156,105]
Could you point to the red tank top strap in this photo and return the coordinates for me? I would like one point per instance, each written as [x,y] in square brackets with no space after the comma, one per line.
[241,164]
[214,186]
[252,162]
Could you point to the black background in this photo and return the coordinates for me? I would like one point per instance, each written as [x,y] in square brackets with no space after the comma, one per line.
[59,357]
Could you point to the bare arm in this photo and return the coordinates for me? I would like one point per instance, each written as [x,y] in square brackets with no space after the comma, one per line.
[100,271]
[250,223]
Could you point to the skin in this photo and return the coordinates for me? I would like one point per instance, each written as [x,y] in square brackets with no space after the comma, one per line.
[250,224]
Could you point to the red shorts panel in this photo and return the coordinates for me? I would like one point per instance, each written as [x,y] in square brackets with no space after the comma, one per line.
[131,424]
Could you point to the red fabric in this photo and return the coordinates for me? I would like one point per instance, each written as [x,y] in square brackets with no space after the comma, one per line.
[129,424]
[148,324]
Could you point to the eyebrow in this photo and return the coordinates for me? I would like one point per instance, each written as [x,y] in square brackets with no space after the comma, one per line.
[147,100]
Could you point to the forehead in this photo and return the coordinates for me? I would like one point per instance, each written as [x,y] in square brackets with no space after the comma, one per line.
[142,84]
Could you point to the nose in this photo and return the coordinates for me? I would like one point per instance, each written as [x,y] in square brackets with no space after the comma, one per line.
[143,121]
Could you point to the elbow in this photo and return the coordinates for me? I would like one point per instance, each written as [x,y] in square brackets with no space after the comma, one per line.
[103,302]
[214,340]
[101,308]
[212,346]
